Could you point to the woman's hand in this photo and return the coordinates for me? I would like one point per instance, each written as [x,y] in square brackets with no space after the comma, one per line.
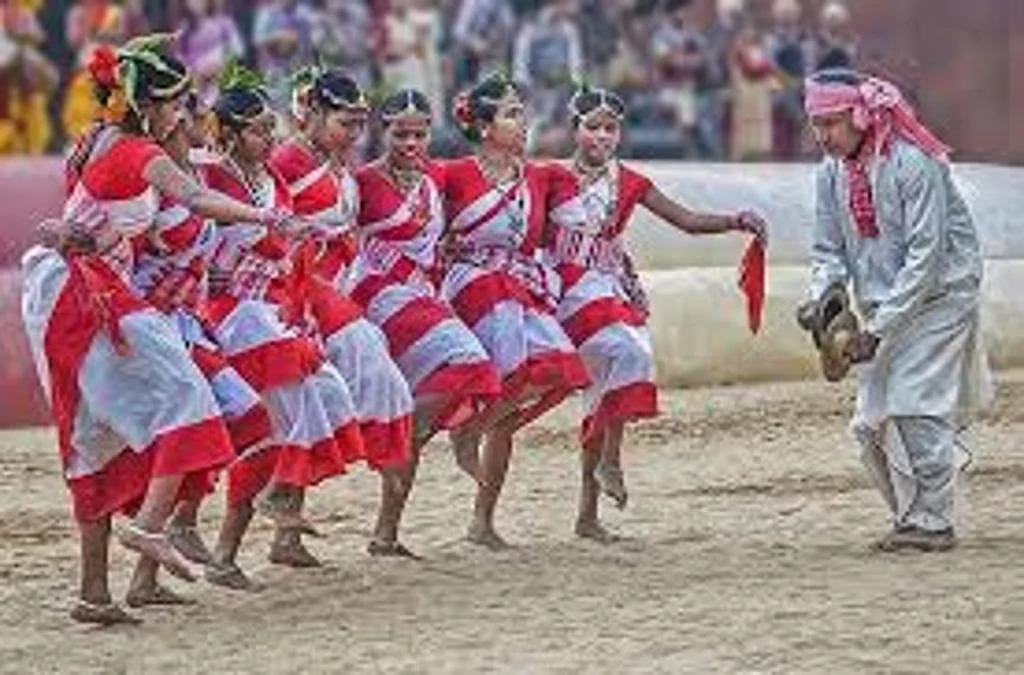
[753,223]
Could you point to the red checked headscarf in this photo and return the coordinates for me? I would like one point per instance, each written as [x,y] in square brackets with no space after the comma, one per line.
[881,112]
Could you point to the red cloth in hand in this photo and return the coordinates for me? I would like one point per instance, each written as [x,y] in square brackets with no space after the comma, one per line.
[752,283]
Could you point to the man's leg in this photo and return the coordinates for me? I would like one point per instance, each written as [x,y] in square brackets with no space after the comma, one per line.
[930,446]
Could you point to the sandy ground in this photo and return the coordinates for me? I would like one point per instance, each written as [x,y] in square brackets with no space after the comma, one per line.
[747,551]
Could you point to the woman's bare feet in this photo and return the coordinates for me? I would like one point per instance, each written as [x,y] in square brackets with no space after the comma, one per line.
[390,549]
[593,530]
[230,575]
[157,546]
[155,595]
[485,535]
[102,614]
[292,553]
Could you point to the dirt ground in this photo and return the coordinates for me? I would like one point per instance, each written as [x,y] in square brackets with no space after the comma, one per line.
[746,550]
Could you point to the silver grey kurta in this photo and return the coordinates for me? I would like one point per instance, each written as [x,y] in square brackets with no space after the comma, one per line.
[917,285]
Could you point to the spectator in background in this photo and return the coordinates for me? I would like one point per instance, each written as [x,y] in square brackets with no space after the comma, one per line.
[713,90]
[208,40]
[481,39]
[94,21]
[600,24]
[405,47]
[630,68]
[27,80]
[752,78]
[88,24]
[788,49]
[679,57]
[834,46]
[282,35]
[134,18]
[548,60]
[429,17]
[342,35]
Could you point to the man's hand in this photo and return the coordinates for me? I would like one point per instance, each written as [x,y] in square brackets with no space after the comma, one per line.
[863,347]
[805,314]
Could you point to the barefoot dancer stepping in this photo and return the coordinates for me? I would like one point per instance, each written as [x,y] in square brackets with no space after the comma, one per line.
[603,308]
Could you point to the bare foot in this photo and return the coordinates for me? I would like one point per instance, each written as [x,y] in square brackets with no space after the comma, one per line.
[156,546]
[105,614]
[292,554]
[485,535]
[186,539]
[390,549]
[613,483]
[593,530]
[157,595]
[230,575]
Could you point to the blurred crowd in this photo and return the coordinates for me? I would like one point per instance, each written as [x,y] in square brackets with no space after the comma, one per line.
[727,89]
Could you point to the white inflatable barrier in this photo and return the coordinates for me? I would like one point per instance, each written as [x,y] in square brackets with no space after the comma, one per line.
[784,194]
[698,324]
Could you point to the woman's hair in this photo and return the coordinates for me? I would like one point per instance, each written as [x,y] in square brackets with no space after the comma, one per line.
[335,90]
[478,106]
[587,101]
[242,98]
[142,71]
[406,102]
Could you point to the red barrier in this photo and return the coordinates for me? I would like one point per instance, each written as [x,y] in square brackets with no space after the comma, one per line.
[21,398]
[30,190]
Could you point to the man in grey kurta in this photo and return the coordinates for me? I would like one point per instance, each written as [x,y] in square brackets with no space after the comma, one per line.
[890,220]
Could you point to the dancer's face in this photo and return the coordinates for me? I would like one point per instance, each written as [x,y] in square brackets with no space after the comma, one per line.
[598,136]
[340,129]
[256,139]
[406,141]
[162,116]
[836,133]
[507,132]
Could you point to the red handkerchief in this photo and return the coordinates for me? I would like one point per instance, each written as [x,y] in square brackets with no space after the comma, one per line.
[752,282]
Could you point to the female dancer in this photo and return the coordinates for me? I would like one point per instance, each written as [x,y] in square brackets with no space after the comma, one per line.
[401,221]
[138,425]
[315,429]
[171,266]
[603,308]
[499,207]
[315,171]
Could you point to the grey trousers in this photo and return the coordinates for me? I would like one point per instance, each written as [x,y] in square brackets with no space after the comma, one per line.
[912,461]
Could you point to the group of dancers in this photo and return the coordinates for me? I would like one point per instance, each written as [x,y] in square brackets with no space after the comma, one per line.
[216,306]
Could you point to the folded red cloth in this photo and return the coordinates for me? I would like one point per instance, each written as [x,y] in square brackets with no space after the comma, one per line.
[752,282]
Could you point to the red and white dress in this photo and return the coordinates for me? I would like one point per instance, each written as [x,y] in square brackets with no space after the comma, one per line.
[129,402]
[497,283]
[171,263]
[314,423]
[359,350]
[603,308]
[391,278]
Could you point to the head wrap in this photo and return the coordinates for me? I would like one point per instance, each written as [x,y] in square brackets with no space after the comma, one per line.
[882,114]
[878,107]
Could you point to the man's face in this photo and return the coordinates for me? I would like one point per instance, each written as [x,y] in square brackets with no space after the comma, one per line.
[836,133]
